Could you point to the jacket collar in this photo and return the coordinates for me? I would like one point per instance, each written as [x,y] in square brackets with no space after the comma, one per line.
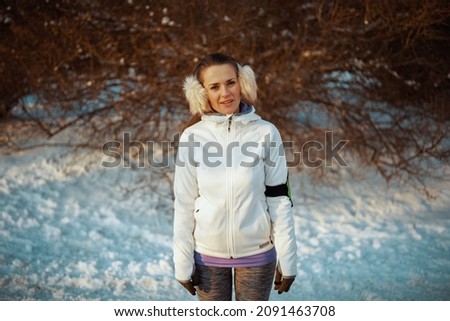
[246,114]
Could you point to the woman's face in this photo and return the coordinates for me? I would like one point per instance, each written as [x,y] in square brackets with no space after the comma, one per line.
[222,86]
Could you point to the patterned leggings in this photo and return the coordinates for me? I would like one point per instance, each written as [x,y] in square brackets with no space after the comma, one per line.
[250,283]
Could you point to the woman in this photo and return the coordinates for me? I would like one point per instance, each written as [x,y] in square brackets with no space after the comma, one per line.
[233,215]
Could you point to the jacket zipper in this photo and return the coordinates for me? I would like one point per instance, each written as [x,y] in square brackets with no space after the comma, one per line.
[230,213]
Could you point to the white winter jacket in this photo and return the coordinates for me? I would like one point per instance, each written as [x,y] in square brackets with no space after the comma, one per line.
[223,167]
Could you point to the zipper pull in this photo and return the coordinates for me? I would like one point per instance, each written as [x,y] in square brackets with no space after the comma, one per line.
[229,123]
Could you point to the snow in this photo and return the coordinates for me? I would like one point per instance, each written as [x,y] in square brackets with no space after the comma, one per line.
[72,230]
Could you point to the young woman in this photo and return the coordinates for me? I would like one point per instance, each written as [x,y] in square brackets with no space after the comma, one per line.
[233,224]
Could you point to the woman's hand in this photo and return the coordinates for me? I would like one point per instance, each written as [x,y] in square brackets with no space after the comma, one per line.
[190,284]
[282,283]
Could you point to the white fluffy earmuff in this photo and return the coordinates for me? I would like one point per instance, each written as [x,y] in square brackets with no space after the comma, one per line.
[247,82]
[197,97]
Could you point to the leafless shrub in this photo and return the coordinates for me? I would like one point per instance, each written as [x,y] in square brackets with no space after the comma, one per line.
[375,73]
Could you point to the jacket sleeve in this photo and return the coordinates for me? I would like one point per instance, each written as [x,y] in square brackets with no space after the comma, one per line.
[185,193]
[280,204]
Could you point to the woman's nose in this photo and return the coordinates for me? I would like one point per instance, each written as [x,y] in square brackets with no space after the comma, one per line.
[224,92]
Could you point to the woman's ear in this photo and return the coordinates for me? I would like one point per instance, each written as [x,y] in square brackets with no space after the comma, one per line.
[247,82]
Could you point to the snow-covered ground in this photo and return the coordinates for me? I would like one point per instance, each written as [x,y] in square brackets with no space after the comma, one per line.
[72,230]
